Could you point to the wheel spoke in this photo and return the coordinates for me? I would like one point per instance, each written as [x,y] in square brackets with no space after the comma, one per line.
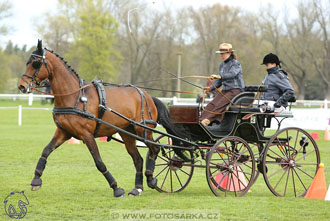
[275,153]
[287,136]
[281,145]
[171,180]
[294,186]
[161,157]
[161,171]
[217,170]
[161,164]
[295,143]
[176,174]
[246,165]
[232,178]
[229,176]
[286,183]
[306,164]
[274,162]
[299,179]
[222,158]
[277,171]
[305,172]
[244,173]
[165,178]
[184,172]
[221,180]
[302,146]
[305,155]
[279,180]
[239,180]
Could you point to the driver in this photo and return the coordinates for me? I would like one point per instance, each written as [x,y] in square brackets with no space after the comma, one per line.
[230,76]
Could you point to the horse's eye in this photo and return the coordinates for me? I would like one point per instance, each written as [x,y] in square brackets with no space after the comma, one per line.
[36,64]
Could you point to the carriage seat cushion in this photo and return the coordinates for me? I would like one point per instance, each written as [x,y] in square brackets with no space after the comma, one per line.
[256,88]
[286,113]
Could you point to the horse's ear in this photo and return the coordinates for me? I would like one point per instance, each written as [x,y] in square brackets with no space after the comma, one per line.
[39,47]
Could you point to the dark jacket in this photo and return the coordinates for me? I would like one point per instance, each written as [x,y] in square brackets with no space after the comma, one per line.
[231,75]
[279,87]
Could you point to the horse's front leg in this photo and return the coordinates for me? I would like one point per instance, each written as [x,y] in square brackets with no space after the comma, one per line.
[59,138]
[93,149]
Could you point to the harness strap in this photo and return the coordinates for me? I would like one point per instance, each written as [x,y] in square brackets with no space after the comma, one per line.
[143,98]
[103,102]
[72,110]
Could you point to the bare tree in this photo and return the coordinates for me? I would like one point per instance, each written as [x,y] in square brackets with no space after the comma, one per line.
[299,40]
[321,56]
[5,7]
[213,25]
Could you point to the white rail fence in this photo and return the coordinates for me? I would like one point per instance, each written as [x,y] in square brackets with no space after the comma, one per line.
[317,118]
[173,100]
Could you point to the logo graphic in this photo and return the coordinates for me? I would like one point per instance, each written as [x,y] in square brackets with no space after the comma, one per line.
[15,205]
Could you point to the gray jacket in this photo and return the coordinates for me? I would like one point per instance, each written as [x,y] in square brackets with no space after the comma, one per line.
[231,75]
[279,87]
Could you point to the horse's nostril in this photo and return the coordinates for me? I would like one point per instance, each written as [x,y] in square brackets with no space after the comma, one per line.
[22,88]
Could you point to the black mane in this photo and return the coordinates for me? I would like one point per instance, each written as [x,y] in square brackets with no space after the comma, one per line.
[64,61]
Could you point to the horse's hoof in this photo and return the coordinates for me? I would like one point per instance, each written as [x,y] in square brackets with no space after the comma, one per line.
[153,183]
[35,188]
[119,192]
[135,192]
[36,184]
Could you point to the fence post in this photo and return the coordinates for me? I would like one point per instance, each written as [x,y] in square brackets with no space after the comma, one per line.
[19,115]
[175,100]
[30,99]
[326,104]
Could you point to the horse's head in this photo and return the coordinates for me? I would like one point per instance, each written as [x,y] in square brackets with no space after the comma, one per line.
[37,69]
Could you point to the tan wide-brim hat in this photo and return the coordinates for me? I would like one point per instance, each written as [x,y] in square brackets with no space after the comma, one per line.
[225,48]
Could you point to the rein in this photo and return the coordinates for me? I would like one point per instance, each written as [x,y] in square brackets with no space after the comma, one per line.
[154,89]
[60,95]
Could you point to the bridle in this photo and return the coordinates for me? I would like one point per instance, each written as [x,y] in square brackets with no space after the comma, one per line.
[36,64]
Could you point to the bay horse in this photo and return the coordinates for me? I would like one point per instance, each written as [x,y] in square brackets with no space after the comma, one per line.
[70,91]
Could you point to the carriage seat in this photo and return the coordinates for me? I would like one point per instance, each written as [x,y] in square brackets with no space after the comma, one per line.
[242,103]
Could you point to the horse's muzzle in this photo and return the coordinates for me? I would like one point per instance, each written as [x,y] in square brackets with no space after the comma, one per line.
[22,88]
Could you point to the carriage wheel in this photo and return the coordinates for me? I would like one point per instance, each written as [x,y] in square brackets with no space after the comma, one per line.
[230,167]
[290,159]
[172,173]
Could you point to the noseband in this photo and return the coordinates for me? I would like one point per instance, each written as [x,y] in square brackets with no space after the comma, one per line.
[36,64]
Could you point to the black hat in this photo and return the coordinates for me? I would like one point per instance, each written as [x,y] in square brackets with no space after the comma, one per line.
[271,58]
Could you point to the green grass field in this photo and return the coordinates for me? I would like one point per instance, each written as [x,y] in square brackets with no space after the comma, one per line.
[74,189]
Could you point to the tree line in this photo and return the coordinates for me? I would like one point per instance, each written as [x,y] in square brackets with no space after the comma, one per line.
[129,41]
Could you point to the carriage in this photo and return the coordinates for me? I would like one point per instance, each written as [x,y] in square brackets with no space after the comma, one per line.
[233,154]
[239,150]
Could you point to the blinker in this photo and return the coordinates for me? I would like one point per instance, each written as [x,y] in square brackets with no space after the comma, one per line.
[36,64]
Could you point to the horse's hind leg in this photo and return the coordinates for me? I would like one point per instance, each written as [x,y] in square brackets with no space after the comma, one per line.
[93,149]
[150,162]
[130,144]
[59,138]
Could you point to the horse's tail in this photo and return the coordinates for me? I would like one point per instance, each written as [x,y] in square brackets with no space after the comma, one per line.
[165,120]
